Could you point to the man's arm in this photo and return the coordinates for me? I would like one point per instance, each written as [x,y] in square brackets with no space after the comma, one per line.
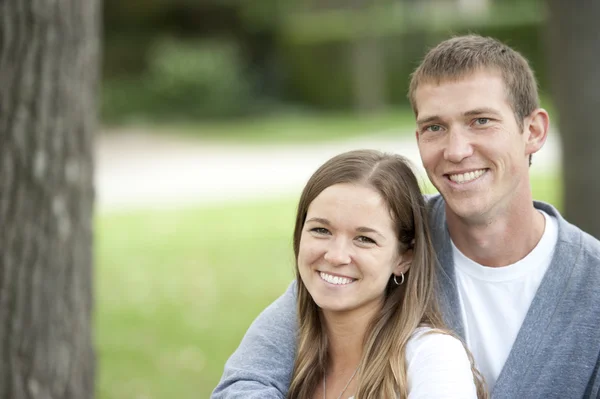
[262,365]
[593,389]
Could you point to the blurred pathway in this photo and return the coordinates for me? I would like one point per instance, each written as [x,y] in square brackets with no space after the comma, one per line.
[139,170]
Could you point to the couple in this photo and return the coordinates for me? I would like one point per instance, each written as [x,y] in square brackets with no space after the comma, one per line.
[515,281]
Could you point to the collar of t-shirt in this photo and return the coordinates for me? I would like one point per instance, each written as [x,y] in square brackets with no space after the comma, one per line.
[539,255]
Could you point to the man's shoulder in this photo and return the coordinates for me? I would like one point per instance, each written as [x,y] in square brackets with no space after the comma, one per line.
[590,249]
[577,248]
[433,202]
[431,199]
[590,244]
[436,210]
[571,235]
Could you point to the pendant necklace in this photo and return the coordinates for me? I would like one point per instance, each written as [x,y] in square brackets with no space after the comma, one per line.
[343,390]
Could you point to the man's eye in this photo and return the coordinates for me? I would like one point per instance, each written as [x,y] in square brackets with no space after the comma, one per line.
[482,121]
[366,240]
[433,128]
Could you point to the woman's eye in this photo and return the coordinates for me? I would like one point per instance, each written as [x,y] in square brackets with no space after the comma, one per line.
[366,240]
[320,230]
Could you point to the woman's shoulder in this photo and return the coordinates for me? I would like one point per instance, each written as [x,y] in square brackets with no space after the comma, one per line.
[433,348]
[438,366]
[432,340]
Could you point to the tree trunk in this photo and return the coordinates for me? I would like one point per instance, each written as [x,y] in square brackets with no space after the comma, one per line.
[574,55]
[368,68]
[49,56]
[368,75]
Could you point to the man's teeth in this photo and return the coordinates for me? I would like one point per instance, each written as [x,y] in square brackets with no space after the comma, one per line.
[466,177]
[335,279]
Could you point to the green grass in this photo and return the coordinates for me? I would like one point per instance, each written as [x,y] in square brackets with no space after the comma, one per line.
[176,291]
[290,128]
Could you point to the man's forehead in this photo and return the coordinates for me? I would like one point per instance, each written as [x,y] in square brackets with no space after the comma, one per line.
[459,96]
[472,79]
[465,75]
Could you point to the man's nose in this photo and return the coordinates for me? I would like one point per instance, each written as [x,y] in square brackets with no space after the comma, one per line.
[458,146]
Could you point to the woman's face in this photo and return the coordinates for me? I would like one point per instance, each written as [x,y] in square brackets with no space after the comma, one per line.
[349,249]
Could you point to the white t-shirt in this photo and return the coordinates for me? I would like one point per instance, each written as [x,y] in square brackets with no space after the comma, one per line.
[495,300]
[438,367]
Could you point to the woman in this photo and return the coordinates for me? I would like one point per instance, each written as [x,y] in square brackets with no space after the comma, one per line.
[368,322]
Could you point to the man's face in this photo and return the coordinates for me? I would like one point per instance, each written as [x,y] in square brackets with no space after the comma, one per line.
[471,145]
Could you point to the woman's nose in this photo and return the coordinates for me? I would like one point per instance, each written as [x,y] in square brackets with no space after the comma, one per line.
[338,252]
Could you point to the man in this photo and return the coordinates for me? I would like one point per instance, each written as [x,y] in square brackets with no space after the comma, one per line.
[518,282]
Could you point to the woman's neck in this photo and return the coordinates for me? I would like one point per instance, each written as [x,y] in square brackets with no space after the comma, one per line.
[345,333]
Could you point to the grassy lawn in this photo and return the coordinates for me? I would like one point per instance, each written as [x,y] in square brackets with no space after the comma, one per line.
[290,128]
[176,290]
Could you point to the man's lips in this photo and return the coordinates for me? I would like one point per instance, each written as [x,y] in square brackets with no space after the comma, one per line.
[465,177]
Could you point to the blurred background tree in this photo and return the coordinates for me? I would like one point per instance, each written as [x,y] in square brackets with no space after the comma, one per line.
[573,55]
[49,64]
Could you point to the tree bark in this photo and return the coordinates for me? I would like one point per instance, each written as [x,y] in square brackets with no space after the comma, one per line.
[574,55]
[49,59]
[368,75]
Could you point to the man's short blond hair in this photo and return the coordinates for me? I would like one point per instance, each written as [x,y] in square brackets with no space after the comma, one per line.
[460,56]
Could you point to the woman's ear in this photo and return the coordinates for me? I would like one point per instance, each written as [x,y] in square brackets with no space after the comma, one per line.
[404,262]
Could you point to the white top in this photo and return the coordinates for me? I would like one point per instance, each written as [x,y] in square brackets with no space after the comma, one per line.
[494,301]
[438,367]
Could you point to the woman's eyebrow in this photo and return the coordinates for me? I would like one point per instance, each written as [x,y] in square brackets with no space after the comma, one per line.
[319,220]
[363,229]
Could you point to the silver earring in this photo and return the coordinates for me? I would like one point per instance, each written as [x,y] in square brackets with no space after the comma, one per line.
[401,279]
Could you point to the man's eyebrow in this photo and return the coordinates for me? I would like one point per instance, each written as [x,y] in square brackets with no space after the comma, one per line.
[428,119]
[480,111]
[472,112]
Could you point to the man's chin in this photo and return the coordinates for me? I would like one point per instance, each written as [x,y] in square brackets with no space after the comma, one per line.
[467,211]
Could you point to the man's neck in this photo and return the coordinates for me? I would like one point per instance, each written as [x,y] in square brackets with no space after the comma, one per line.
[500,241]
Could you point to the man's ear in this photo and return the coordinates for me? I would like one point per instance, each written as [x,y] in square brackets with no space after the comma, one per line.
[404,262]
[536,130]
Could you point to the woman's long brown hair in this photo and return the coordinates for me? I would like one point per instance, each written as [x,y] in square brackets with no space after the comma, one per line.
[406,307]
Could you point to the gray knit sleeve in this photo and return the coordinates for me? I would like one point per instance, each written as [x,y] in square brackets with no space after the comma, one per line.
[261,367]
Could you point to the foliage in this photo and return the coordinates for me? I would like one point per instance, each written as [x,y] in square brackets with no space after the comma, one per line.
[200,79]
[187,80]
[393,19]
[296,56]
[320,74]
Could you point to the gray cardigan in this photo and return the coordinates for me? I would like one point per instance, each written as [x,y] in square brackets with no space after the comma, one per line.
[556,353]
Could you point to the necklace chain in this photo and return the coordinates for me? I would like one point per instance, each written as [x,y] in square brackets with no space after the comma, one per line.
[343,390]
